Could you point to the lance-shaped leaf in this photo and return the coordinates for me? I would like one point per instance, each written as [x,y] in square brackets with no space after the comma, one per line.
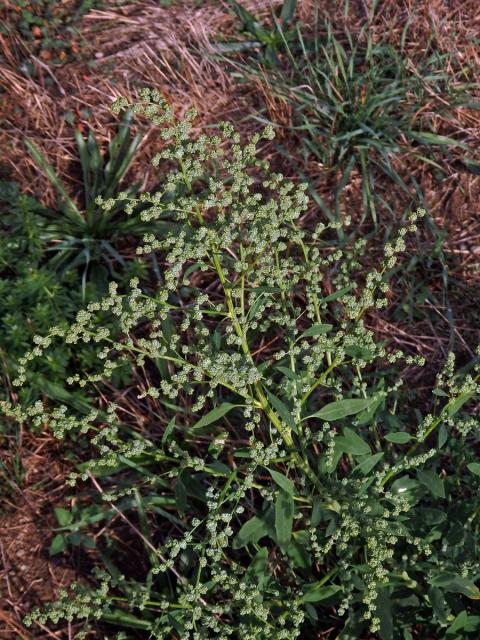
[342,408]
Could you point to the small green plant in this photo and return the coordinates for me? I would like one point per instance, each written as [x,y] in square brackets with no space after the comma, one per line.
[31,297]
[88,237]
[31,300]
[274,480]
[268,41]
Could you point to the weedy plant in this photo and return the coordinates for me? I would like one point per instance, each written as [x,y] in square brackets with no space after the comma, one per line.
[89,237]
[354,102]
[274,481]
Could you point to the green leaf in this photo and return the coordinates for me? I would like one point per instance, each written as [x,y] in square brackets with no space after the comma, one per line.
[217,444]
[49,171]
[316,592]
[338,294]
[243,453]
[342,409]
[400,437]
[236,47]
[352,443]
[192,485]
[168,431]
[284,510]
[316,511]
[438,603]
[258,568]
[404,484]
[454,583]
[366,416]
[215,414]
[85,162]
[125,619]
[384,612]
[315,330]
[425,137]
[297,550]
[288,373]
[440,392]
[456,404]
[282,410]
[369,463]
[217,339]
[180,495]
[58,544]
[355,351]
[442,436]
[88,542]
[64,517]
[121,155]
[473,167]
[474,467]
[251,532]
[437,600]
[471,104]
[430,480]
[247,18]
[288,10]
[56,391]
[458,624]
[282,481]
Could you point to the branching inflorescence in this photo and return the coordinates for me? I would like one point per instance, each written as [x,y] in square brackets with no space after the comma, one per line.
[266,426]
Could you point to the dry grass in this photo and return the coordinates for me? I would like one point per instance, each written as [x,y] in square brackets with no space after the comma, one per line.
[140,44]
[28,577]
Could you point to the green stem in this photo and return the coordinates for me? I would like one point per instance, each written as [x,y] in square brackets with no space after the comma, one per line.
[430,429]
[285,433]
[320,379]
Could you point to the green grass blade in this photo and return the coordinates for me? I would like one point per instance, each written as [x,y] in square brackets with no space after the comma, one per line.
[42,163]
[425,137]
[85,162]
[95,164]
[288,10]
[368,197]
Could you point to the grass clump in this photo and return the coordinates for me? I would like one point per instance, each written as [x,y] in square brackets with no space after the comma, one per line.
[274,480]
[53,260]
[354,103]
[82,236]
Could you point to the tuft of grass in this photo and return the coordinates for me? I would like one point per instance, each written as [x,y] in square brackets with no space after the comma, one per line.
[364,111]
[86,236]
[358,103]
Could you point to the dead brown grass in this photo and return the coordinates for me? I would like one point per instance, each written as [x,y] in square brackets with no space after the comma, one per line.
[126,48]
[28,576]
